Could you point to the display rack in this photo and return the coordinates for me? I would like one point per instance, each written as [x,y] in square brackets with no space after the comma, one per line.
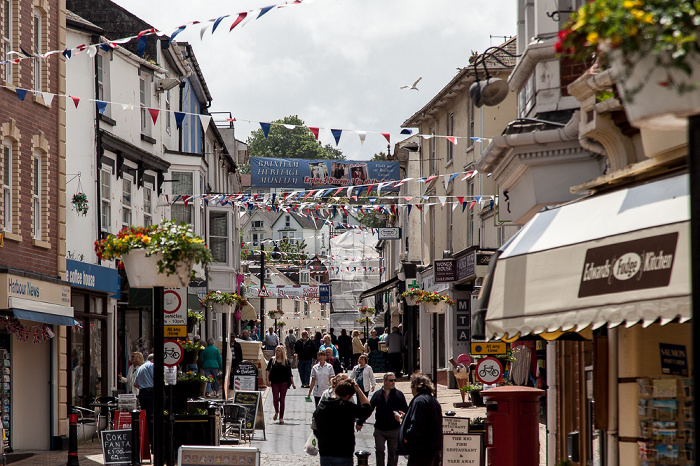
[666,426]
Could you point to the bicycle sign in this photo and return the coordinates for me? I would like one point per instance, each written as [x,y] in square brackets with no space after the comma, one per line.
[489,370]
[172,353]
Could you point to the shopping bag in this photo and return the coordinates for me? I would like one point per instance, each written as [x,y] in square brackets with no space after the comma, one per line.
[311,445]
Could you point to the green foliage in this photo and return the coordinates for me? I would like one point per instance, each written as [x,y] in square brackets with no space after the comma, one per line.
[297,143]
[379,157]
[295,251]
[373,219]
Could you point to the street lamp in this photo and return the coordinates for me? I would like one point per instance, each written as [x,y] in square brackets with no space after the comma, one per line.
[275,255]
[492,91]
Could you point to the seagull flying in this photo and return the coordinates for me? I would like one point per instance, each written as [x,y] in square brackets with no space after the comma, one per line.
[413,86]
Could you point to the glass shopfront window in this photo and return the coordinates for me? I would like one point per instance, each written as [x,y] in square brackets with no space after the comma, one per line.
[88,350]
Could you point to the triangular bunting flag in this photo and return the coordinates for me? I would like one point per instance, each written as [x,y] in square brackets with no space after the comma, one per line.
[265,10]
[216,23]
[21,93]
[460,199]
[76,100]
[266,128]
[179,116]
[419,207]
[472,205]
[205,119]
[464,206]
[127,107]
[362,135]
[178,31]
[67,53]
[430,178]
[387,136]
[154,114]
[314,131]
[142,45]
[409,208]
[452,139]
[442,200]
[336,135]
[48,98]
[101,106]
[241,17]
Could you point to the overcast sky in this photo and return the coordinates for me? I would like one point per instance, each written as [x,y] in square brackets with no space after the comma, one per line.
[334,63]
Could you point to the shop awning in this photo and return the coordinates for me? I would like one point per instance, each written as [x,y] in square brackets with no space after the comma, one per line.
[619,257]
[384,286]
[41,312]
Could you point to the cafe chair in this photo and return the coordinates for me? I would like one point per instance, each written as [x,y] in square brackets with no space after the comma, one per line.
[86,417]
[233,420]
[104,412]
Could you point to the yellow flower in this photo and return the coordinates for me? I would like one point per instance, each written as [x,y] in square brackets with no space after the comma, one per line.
[648,18]
[592,38]
[146,239]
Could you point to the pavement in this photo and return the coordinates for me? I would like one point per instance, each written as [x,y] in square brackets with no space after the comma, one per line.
[284,442]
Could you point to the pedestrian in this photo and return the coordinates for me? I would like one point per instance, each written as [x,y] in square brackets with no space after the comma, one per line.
[271,339]
[394,344]
[363,374]
[385,403]
[385,334]
[334,420]
[279,378]
[334,383]
[373,341]
[327,344]
[144,382]
[420,435]
[236,358]
[321,375]
[211,365]
[289,342]
[245,335]
[345,348]
[318,340]
[357,347]
[136,362]
[334,362]
[334,338]
[305,351]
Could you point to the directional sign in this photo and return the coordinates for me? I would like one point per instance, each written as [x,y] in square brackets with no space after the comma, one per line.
[263,293]
[488,348]
[489,370]
[389,233]
[172,353]
[175,312]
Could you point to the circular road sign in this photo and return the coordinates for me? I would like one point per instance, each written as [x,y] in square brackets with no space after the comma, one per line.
[464,359]
[171,301]
[172,353]
[489,370]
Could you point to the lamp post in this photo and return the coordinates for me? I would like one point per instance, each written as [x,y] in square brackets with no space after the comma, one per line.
[492,91]
[262,285]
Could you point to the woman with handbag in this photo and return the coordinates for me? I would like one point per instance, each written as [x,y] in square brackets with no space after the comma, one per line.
[279,378]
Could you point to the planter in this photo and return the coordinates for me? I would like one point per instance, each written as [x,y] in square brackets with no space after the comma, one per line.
[439,308]
[191,323]
[648,103]
[366,314]
[189,357]
[412,300]
[142,271]
[476,398]
[184,390]
[222,308]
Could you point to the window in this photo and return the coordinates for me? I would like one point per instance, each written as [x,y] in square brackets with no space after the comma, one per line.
[38,49]
[36,194]
[126,202]
[470,215]
[279,303]
[306,308]
[296,306]
[88,350]
[450,214]
[147,206]
[218,236]
[470,118]
[167,112]
[257,224]
[105,198]
[287,221]
[450,132]
[7,186]
[145,101]
[433,154]
[255,239]
[182,185]
[7,33]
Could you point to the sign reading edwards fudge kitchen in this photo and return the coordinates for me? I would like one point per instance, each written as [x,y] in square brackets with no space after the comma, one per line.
[633,265]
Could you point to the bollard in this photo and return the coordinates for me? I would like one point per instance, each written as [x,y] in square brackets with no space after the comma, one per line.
[213,425]
[72,437]
[362,457]
[135,438]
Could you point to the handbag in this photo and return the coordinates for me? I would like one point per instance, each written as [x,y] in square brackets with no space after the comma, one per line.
[311,445]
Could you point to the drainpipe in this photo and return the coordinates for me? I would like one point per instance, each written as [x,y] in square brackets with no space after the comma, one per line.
[99,151]
[613,411]
[552,390]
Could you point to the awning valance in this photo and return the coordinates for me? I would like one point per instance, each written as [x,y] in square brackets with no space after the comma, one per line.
[37,311]
[619,257]
[384,286]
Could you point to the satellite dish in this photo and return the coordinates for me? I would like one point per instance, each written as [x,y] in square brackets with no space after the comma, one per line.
[493,91]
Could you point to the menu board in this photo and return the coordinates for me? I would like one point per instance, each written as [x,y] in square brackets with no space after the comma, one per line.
[250,400]
[116,446]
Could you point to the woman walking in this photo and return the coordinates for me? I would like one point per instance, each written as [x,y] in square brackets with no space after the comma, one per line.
[279,378]
[136,362]
[211,365]
[363,375]
[357,347]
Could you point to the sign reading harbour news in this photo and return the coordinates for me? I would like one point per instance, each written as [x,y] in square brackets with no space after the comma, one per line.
[320,173]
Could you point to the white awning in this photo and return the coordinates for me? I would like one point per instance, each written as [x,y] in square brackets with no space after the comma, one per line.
[619,257]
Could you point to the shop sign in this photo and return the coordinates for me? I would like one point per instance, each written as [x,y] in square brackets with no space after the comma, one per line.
[472,264]
[93,277]
[489,348]
[324,293]
[389,233]
[629,266]
[175,312]
[285,291]
[455,425]
[32,290]
[444,270]
[462,326]
[674,359]
[465,449]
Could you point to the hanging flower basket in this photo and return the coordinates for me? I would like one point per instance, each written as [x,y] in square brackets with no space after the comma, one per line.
[413,296]
[367,311]
[222,301]
[275,314]
[142,271]
[80,203]
[436,308]
[412,300]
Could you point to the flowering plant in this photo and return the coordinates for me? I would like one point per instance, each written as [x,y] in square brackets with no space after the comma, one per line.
[412,292]
[434,298]
[190,345]
[192,376]
[195,315]
[367,310]
[222,298]
[281,323]
[666,29]
[275,314]
[364,320]
[80,203]
[175,242]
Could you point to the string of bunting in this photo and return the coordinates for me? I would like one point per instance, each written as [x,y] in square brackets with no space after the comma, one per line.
[39,333]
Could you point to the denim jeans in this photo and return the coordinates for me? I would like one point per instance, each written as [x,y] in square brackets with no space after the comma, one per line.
[335,461]
[215,384]
[304,366]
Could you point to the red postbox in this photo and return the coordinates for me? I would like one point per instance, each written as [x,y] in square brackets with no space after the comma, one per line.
[512,426]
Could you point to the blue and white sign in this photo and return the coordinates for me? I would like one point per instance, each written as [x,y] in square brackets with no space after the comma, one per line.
[324,293]
[315,174]
[94,277]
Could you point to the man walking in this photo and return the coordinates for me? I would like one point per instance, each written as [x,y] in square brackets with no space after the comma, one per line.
[271,340]
[321,375]
[420,434]
[386,427]
[394,343]
[305,351]
[290,342]
[144,382]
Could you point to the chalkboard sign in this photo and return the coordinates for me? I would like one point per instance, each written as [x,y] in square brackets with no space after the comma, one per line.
[116,446]
[377,361]
[246,368]
[250,400]
[245,376]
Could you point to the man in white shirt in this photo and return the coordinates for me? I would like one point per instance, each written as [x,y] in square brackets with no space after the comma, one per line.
[321,375]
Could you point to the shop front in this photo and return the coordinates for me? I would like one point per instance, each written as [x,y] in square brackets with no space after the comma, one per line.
[607,280]
[36,310]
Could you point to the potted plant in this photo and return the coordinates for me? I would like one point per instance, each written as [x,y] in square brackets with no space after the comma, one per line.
[222,301]
[281,324]
[189,385]
[80,203]
[193,318]
[474,392]
[436,303]
[477,424]
[412,296]
[156,255]
[275,314]
[367,311]
[364,320]
[653,51]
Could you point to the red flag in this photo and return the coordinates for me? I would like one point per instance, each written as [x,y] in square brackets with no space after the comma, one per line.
[241,17]
[460,199]
[314,131]
[146,31]
[419,207]
[472,205]
[387,136]
[452,139]
[431,178]
[76,101]
[154,114]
